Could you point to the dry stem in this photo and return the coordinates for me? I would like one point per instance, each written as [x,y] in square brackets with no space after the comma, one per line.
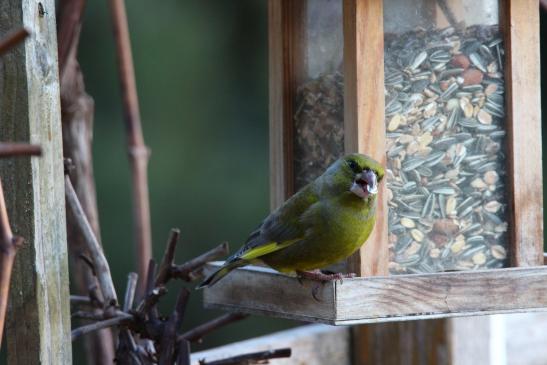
[19,149]
[197,333]
[95,250]
[12,40]
[100,325]
[138,152]
[251,358]
[8,249]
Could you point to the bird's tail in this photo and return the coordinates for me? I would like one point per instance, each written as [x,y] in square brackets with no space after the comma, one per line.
[221,272]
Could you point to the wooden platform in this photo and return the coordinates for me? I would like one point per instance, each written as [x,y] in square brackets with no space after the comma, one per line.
[258,290]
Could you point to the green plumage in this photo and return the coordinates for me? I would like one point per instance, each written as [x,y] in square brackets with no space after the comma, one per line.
[322,224]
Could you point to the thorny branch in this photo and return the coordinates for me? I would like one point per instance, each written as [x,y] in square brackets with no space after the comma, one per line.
[138,151]
[160,338]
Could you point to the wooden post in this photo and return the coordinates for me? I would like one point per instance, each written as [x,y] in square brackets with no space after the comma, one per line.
[520,23]
[285,24]
[364,129]
[38,329]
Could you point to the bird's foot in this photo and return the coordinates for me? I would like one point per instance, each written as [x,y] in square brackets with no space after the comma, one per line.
[317,275]
[322,278]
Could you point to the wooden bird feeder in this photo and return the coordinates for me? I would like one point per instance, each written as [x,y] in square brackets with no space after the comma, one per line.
[445,93]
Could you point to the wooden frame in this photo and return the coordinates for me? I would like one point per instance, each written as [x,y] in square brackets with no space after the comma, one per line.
[438,295]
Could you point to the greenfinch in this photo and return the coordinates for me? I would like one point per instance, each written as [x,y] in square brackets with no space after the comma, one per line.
[322,224]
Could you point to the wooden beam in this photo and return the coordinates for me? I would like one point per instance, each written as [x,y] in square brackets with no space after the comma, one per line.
[381,299]
[285,24]
[38,329]
[364,129]
[520,21]
[311,345]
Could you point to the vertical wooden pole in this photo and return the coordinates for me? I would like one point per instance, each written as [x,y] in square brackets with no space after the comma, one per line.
[286,22]
[523,97]
[38,329]
[280,139]
[364,129]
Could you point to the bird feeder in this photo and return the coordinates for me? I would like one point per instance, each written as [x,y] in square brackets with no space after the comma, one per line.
[445,94]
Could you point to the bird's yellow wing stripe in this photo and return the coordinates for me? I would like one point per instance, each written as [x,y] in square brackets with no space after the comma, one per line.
[265,249]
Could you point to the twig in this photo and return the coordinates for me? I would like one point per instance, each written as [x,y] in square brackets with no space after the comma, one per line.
[169,335]
[185,271]
[8,249]
[197,333]
[77,113]
[19,149]
[82,301]
[138,152]
[97,315]
[99,260]
[12,40]
[167,262]
[251,358]
[100,325]
[183,353]
[153,294]
[130,291]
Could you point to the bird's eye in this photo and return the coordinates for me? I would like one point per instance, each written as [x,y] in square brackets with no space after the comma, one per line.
[353,165]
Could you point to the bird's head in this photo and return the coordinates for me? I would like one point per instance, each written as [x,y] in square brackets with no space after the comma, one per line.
[356,173]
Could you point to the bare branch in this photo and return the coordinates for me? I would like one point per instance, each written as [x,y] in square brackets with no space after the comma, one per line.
[251,358]
[100,325]
[95,250]
[8,249]
[186,270]
[167,262]
[138,152]
[130,291]
[12,40]
[19,149]
[169,336]
[197,333]
[183,353]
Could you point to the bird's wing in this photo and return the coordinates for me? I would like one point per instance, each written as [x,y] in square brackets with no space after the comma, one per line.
[280,229]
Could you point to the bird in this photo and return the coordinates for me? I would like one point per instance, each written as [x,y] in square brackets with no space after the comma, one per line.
[325,222]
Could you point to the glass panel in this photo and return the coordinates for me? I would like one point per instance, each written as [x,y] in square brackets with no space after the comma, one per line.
[318,105]
[445,135]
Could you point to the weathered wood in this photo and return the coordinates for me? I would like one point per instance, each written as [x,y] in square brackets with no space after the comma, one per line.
[412,343]
[522,64]
[381,299]
[364,129]
[285,25]
[38,328]
[310,345]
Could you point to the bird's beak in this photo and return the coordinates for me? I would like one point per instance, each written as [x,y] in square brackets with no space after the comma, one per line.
[372,181]
[365,184]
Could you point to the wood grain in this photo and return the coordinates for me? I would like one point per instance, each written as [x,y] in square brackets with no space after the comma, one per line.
[381,299]
[286,65]
[38,328]
[364,129]
[522,69]
[311,345]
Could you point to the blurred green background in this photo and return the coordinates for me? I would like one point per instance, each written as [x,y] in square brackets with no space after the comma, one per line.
[201,69]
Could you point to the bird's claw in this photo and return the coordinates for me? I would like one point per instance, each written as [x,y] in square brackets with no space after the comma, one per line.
[322,278]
